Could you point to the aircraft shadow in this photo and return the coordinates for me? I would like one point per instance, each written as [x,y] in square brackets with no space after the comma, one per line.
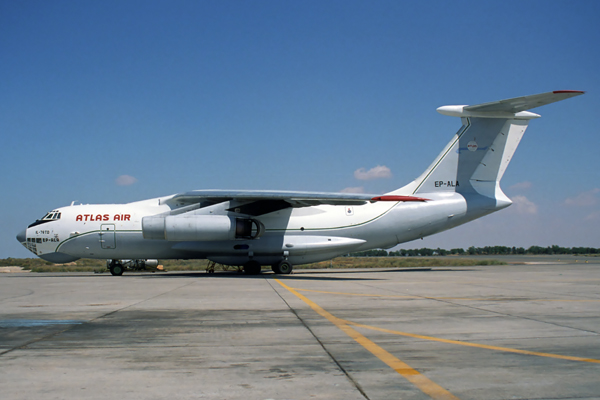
[297,275]
[300,274]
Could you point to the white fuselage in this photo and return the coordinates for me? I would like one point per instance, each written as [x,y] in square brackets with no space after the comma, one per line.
[302,235]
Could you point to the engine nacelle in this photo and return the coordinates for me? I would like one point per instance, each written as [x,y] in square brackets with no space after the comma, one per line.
[182,228]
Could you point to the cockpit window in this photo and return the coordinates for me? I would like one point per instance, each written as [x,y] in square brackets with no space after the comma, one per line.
[53,215]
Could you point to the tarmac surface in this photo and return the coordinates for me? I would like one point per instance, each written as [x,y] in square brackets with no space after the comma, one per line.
[495,332]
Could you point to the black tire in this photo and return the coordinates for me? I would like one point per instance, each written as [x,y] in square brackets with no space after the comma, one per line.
[285,267]
[252,268]
[116,269]
[275,268]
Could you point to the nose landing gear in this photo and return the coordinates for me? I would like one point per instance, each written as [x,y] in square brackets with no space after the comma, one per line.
[283,267]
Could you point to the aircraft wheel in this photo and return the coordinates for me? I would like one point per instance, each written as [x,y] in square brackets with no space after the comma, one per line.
[116,269]
[275,268]
[285,267]
[252,268]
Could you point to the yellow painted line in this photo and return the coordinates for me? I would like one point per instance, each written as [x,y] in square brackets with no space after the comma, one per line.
[391,296]
[481,346]
[424,384]
[436,339]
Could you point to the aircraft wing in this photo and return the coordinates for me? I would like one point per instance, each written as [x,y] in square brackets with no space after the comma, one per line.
[259,202]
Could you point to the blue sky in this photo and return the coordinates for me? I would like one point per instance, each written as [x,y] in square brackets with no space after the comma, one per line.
[118,101]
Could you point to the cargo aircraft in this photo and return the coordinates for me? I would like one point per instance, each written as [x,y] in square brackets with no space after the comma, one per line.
[281,229]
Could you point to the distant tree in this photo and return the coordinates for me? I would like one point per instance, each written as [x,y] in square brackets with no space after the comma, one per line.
[425,251]
[536,250]
[441,252]
[488,250]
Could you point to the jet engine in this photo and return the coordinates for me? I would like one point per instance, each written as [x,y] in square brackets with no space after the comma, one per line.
[181,228]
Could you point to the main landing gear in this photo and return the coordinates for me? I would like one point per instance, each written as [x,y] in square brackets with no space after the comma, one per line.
[283,267]
[116,268]
[252,268]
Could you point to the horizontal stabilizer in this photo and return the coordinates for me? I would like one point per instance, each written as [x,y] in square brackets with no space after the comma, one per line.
[524,103]
[509,108]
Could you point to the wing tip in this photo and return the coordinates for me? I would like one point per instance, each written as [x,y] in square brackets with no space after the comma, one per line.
[568,91]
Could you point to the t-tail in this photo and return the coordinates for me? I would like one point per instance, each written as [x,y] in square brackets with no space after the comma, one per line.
[474,161]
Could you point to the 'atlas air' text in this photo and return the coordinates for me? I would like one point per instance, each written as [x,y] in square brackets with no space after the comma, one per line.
[103,217]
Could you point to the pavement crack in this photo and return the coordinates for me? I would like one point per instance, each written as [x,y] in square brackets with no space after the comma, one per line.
[16,297]
[68,328]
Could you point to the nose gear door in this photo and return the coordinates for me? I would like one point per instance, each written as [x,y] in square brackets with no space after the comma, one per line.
[107,236]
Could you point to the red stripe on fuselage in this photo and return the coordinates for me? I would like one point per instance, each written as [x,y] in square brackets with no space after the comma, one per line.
[398,198]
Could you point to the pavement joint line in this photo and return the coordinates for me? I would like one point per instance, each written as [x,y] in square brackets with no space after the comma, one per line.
[450,341]
[491,286]
[337,363]
[470,344]
[409,297]
[483,309]
[423,383]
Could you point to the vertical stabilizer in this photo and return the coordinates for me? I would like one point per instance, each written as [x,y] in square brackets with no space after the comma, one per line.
[475,160]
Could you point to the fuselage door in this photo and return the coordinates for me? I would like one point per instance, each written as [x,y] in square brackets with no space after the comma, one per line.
[107,236]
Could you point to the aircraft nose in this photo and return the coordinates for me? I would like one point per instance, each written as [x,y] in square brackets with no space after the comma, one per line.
[22,236]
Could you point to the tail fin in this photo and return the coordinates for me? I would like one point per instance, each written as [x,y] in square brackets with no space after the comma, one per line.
[476,158]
